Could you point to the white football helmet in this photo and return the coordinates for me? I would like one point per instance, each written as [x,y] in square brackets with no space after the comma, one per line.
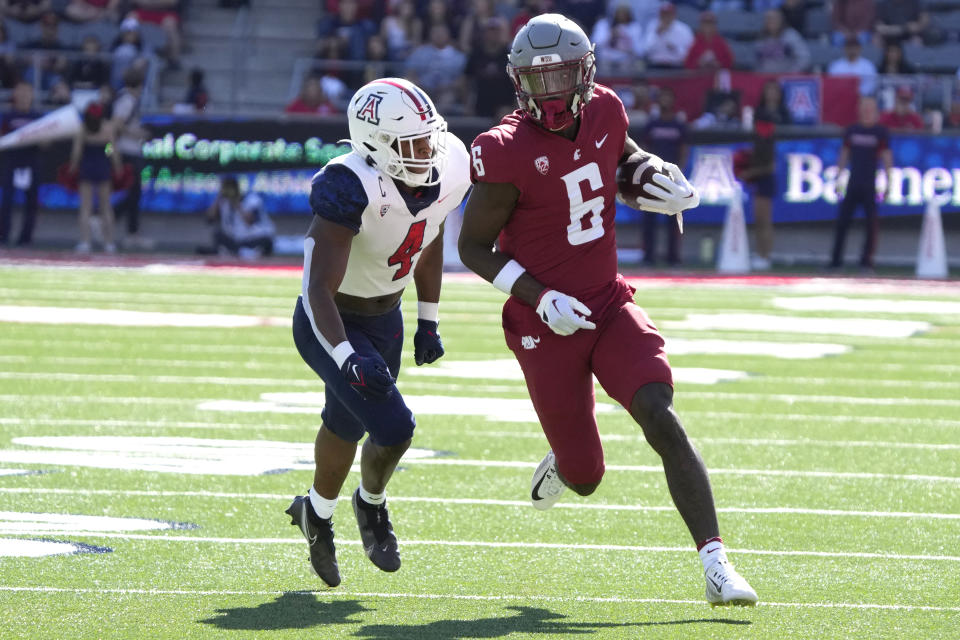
[386,116]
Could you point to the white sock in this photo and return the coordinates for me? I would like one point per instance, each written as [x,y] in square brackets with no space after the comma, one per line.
[375,499]
[321,506]
[712,552]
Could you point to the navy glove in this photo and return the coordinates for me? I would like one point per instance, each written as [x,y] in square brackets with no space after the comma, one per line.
[427,347]
[369,376]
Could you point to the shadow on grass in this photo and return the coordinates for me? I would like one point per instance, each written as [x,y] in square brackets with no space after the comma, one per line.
[292,610]
[530,620]
[302,610]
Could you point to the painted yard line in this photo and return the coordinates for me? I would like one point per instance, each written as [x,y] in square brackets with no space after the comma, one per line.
[523,504]
[165,424]
[180,347]
[767,418]
[795,398]
[345,593]
[133,318]
[759,442]
[789,473]
[152,298]
[534,435]
[295,365]
[793,417]
[856,327]
[556,546]
[867,305]
[17,455]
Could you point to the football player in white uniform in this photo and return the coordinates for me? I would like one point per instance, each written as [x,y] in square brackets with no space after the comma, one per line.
[378,223]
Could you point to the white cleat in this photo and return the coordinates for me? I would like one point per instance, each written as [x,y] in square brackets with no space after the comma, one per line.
[546,486]
[727,587]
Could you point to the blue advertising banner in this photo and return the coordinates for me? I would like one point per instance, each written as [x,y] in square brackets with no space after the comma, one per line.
[924,167]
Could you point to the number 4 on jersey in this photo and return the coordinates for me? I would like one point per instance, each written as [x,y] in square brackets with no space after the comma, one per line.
[408,249]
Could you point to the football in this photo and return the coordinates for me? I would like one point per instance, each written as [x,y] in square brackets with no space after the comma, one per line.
[634,173]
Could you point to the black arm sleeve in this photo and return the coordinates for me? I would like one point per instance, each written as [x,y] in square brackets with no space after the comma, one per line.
[337,195]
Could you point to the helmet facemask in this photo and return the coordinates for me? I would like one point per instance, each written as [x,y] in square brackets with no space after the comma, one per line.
[554,92]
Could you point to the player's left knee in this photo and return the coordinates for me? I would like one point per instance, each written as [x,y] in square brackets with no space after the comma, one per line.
[585,489]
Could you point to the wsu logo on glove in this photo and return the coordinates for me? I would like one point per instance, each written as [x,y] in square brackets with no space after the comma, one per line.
[529,342]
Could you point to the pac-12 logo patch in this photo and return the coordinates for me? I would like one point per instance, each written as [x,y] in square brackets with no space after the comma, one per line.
[370,111]
[543,164]
[384,209]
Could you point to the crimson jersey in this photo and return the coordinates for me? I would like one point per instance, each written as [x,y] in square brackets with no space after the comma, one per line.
[562,228]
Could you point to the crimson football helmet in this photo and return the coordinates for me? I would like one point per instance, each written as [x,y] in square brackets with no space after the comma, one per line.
[552,66]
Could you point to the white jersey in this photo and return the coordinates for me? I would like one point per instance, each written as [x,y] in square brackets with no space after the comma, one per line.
[390,237]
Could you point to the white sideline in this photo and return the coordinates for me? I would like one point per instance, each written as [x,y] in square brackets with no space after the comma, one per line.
[497,503]
[450,596]
[556,546]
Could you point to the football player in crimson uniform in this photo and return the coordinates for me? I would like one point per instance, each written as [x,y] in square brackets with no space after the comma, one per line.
[378,223]
[545,187]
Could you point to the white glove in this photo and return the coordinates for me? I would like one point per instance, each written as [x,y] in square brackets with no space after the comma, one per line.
[675,192]
[562,313]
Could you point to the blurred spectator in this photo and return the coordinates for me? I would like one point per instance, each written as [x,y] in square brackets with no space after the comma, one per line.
[902,117]
[893,61]
[780,49]
[312,99]
[94,169]
[125,120]
[437,67]
[528,9]
[375,64]
[722,111]
[667,40]
[853,18]
[864,143]
[52,67]
[854,64]
[347,26]
[372,10]
[59,93]
[242,225]
[795,15]
[710,49]
[166,15]
[439,13]
[402,29]
[644,11]
[953,118]
[90,70]
[91,10]
[637,100]
[8,64]
[586,12]
[18,167]
[492,90]
[25,10]
[760,173]
[899,20]
[472,25]
[197,95]
[665,136]
[127,50]
[619,40]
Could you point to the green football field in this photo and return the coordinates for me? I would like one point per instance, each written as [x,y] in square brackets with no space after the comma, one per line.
[155,423]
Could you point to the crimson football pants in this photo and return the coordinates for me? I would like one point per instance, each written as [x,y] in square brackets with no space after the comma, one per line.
[624,352]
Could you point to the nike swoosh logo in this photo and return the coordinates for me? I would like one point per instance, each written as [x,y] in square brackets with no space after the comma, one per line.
[710,550]
[443,198]
[536,488]
[354,369]
[600,142]
[715,585]
[311,540]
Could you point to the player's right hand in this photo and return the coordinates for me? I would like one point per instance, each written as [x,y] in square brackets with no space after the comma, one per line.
[369,376]
[562,313]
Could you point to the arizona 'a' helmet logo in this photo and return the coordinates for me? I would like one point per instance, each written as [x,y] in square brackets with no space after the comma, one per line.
[370,111]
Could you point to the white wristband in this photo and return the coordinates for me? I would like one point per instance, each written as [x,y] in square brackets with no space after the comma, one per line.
[428,311]
[341,352]
[508,276]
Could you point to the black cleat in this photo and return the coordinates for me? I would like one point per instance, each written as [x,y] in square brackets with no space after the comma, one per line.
[319,535]
[376,534]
